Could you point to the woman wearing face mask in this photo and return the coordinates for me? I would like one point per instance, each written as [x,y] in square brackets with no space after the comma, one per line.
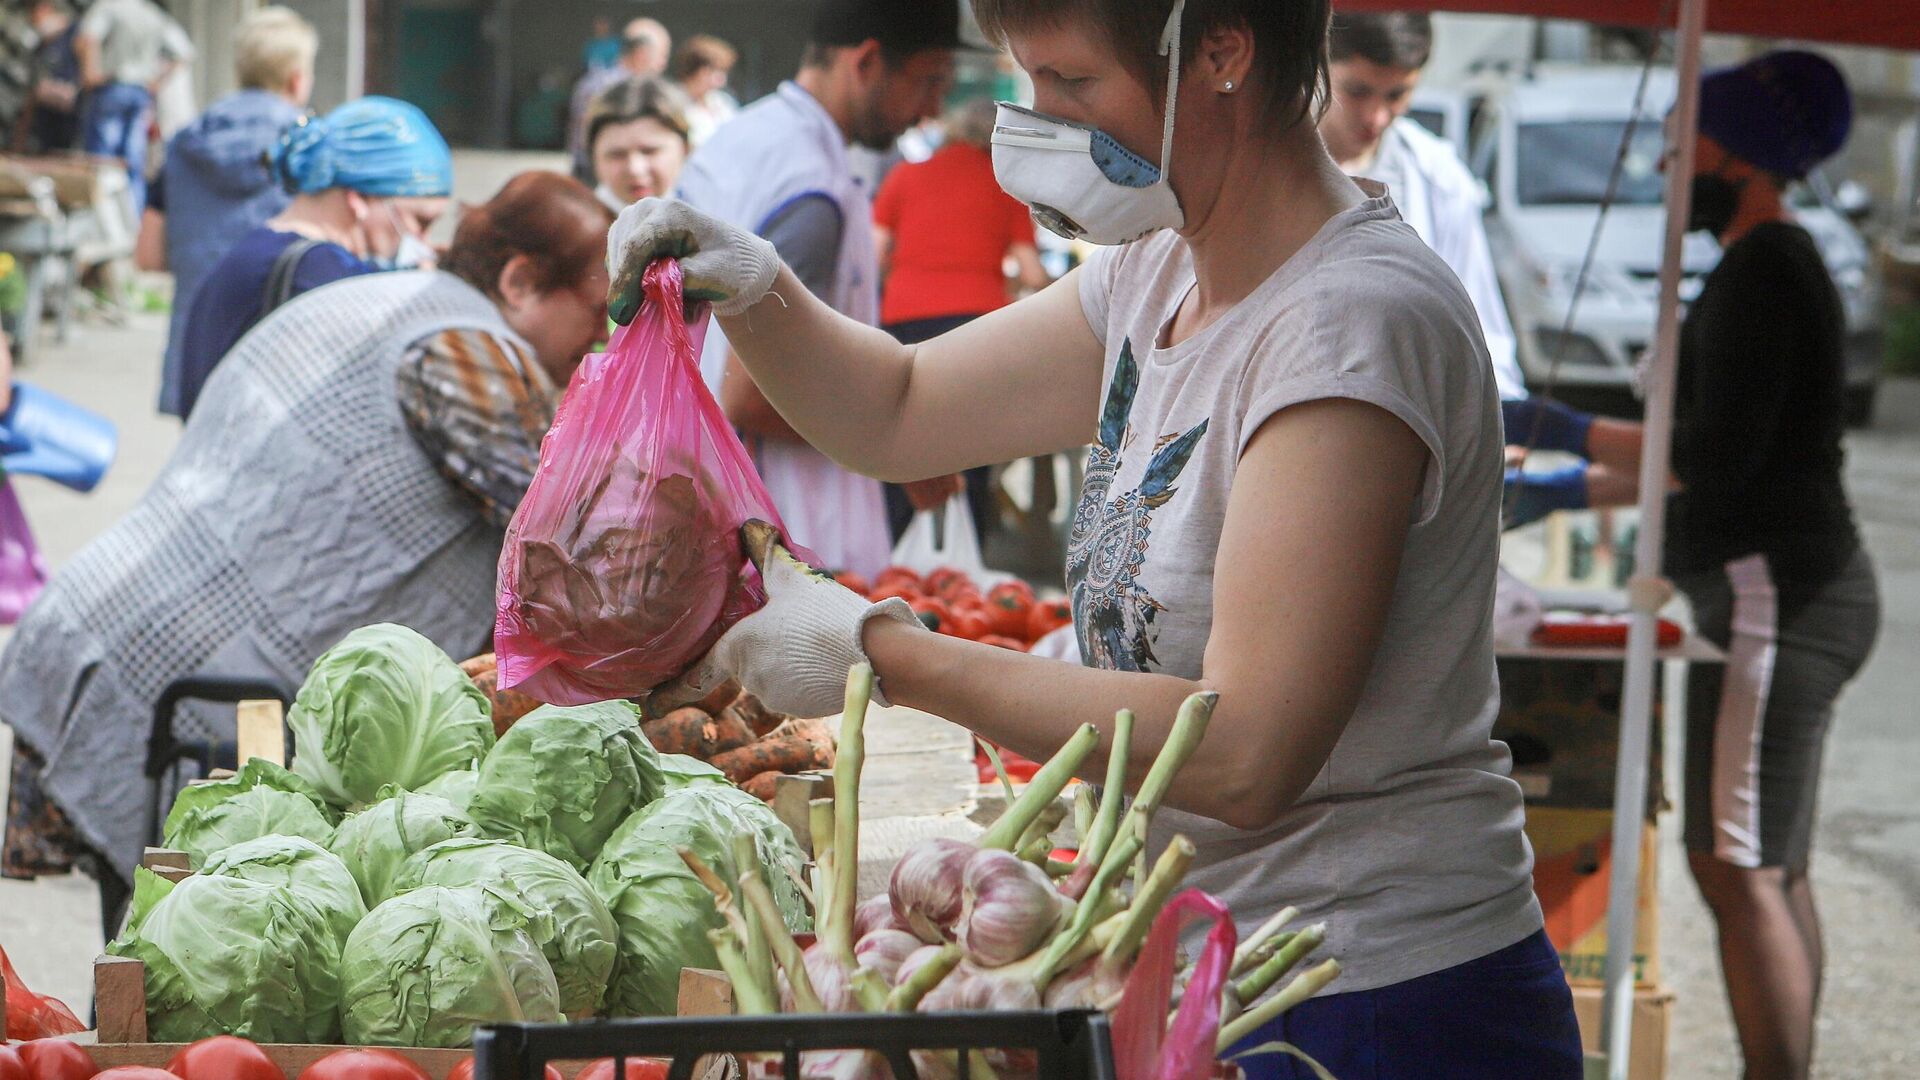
[1292,499]
[367,179]
[637,141]
[354,460]
[1760,535]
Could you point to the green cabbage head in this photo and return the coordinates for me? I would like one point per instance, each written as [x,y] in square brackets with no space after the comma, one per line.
[582,946]
[386,706]
[300,866]
[680,770]
[423,968]
[455,787]
[262,799]
[562,779]
[376,841]
[227,956]
[662,911]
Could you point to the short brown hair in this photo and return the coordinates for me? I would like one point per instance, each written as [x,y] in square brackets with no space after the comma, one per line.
[1289,38]
[1392,39]
[638,99]
[700,52]
[271,46]
[551,219]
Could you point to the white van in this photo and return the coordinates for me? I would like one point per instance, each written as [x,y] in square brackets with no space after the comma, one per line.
[1544,143]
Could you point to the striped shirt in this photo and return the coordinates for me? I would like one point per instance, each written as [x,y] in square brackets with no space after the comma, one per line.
[479,406]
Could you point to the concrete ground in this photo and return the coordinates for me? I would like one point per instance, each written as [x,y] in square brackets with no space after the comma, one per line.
[1867,858]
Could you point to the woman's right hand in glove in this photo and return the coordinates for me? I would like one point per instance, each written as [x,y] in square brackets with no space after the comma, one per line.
[720,264]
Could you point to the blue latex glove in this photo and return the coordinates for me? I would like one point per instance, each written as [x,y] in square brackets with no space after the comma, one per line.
[1560,428]
[1531,496]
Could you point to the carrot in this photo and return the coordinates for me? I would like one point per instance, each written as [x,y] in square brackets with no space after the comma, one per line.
[761,785]
[678,732]
[757,716]
[726,731]
[508,705]
[796,747]
[721,697]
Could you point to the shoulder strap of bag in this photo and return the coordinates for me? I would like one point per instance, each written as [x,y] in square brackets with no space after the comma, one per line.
[279,287]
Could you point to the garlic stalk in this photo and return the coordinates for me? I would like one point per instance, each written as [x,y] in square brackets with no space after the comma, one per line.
[755,944]
[1297,947]
[820,824]
[1084,811]
[1046,785]
[920,973]
[1304,985]
[849,758]
[999,769]
[1036,851]
[1148,898]
[1106,822]
[773,928]
[749,998]
[1060,953]
[1243,957]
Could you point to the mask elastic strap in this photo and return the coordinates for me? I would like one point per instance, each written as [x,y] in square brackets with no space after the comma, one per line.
[1170,47]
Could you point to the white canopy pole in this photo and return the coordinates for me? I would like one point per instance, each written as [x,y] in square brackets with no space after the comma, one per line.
[1649,591]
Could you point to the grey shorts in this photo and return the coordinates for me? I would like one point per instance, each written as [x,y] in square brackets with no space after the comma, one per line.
[1757,726]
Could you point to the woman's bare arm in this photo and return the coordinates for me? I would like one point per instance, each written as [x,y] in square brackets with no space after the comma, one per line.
[1305,575]
[1020,382]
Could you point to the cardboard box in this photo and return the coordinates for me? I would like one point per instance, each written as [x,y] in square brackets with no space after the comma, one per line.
[1652,1014]
[1560,715]
[1572,857]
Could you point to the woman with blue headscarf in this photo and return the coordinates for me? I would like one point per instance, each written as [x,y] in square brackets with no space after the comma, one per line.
[367,180]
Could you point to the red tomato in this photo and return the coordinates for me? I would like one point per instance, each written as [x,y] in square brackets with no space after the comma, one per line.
[224,1057]
[946,580]
[464,1071]
[889,591]
[1007,611]
[134,1072]
[934,613]
[1015,586]
[363,1065]
[964,596]
[1004,642]
[897,575]
[1046,617]
[637,1069]
[850,580]
[969,623]
[11,1067]
[57,1059]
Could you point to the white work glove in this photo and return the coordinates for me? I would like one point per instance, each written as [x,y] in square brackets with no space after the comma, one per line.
[728,267]
[793,654]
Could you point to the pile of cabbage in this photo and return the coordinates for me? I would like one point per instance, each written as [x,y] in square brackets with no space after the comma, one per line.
[411,877]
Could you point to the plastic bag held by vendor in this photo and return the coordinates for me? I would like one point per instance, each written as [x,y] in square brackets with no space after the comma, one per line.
[623,563]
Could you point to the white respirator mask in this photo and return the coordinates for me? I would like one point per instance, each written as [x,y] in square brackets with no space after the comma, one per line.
[1078,180]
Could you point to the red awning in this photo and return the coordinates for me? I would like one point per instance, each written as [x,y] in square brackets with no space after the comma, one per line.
[1893,24]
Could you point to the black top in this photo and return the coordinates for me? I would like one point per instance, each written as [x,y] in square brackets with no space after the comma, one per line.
[1759,414]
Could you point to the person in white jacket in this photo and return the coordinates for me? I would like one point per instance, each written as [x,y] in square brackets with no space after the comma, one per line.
[1376,61]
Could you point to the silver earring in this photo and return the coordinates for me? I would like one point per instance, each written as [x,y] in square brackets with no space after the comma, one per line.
[1227,89]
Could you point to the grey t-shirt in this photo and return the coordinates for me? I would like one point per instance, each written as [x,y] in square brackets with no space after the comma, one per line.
[135,38]
[1408,844]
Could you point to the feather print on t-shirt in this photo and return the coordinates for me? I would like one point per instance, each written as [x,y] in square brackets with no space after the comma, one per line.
[1107,545]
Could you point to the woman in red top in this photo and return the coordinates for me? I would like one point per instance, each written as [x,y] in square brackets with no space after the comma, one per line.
[945,231]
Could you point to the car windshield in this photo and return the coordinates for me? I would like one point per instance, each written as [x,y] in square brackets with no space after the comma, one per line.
[1568,163]
[1432,119]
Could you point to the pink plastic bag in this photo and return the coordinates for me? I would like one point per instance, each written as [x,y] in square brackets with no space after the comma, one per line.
[623,564]
[1145,1047]
[22,572]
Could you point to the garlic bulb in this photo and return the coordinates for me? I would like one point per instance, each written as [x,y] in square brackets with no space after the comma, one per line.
[914,962]
[1088,984]
[885,950]
[1008,908]
[876,913]
[833,983]
[925,888]
[972,989]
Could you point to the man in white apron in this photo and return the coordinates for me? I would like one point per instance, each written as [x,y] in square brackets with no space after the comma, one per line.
[1376,63]
[873,69]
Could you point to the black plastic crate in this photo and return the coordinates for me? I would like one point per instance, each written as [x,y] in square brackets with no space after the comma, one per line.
[1071,1044]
